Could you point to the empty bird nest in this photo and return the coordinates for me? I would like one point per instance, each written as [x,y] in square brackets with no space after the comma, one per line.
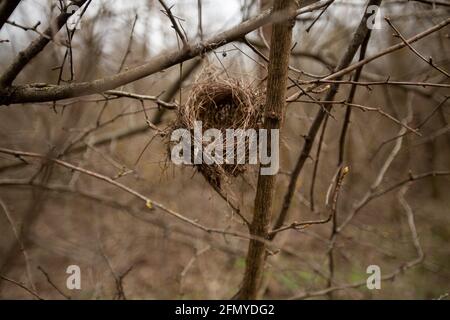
[221,103]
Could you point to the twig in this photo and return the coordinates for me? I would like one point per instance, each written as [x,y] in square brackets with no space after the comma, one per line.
[391,276]
[140,97]
[174,23]
[44,93]
[20,242]
[316,164]
[33,28]
[149,203]
[49,280]
[6,9]
[21,285]
[25,56]
[346,59]
[332,207]
[350,68]
[417,53]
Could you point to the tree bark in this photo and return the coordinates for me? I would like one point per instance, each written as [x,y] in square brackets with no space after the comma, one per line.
[273,116]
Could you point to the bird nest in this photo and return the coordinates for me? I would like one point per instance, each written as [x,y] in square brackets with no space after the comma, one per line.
[221,104]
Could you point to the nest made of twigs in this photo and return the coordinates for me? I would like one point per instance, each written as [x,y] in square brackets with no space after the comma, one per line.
[221,103]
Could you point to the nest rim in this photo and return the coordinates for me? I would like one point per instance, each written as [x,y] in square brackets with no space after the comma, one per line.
[221,104]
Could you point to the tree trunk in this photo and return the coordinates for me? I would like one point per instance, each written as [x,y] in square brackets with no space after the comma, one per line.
[274,111]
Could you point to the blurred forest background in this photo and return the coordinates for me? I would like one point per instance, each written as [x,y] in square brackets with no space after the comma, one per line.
[52,217]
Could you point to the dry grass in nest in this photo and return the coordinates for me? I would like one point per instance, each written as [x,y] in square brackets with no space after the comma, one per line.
[221,104]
